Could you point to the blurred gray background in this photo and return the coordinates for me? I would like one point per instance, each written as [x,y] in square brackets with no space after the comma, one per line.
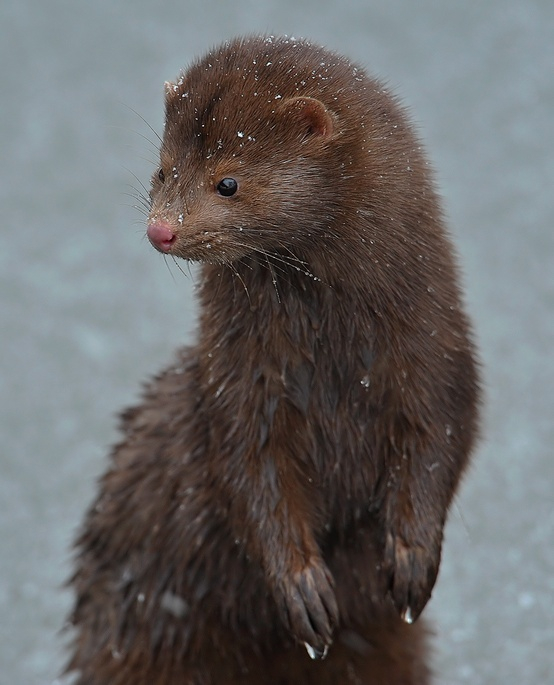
[88,309]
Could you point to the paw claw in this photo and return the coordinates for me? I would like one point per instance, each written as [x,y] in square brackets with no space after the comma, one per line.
[316,653]
[310,608]
[412,572]
[407,616]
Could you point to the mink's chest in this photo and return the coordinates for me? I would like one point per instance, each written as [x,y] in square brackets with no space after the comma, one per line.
[294,375]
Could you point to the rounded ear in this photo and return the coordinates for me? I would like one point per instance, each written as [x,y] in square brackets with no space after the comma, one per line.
[311,114]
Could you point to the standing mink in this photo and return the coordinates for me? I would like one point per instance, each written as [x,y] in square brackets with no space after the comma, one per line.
[281,490]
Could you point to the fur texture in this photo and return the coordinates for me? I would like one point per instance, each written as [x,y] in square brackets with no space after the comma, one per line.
[287,479]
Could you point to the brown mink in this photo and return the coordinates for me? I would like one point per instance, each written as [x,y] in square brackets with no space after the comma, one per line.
[281,490]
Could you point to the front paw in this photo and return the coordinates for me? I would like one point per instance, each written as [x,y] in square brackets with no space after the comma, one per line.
[309,607]
[411,571]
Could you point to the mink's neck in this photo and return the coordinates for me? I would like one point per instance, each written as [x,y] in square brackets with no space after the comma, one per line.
[270,344]
[269,307]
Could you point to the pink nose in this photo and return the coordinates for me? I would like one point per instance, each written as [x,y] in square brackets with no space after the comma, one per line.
[161,235]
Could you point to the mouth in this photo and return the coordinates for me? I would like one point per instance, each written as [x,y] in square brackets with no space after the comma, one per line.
[205,246]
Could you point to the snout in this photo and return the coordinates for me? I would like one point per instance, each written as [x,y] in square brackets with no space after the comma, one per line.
[161,235]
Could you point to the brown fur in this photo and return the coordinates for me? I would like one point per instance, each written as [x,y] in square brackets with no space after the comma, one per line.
[287,479]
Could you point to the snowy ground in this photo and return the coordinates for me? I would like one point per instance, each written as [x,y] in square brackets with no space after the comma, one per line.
[88,310]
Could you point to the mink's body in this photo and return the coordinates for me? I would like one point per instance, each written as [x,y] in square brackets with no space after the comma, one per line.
[287,479]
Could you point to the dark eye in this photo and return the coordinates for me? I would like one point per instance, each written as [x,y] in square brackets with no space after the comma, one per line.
[227,187]
[161,175]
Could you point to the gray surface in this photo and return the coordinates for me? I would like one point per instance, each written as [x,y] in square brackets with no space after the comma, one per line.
[88,309]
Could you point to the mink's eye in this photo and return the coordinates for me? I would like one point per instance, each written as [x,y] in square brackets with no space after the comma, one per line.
[161,175]
[227,187]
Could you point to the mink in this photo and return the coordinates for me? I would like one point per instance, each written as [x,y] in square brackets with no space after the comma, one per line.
[274,511]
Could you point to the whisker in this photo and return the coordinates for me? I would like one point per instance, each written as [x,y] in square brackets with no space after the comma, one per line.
[143,206]
[152,161]
[145,122]
[289,261]
[273,278]
[296,263]
[130,146]
[266,263]
[235,271]
[139,181]
[220,281]
[139,209]
[138,193]
[178,265]
[167,266]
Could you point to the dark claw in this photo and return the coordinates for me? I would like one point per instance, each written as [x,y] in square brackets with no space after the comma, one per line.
[412,572]
[310,608]
[316,653]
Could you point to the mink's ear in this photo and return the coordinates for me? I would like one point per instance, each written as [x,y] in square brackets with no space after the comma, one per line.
[310,114]
[169,89]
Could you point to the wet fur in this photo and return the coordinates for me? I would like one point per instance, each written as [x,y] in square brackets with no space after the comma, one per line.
[287,479]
